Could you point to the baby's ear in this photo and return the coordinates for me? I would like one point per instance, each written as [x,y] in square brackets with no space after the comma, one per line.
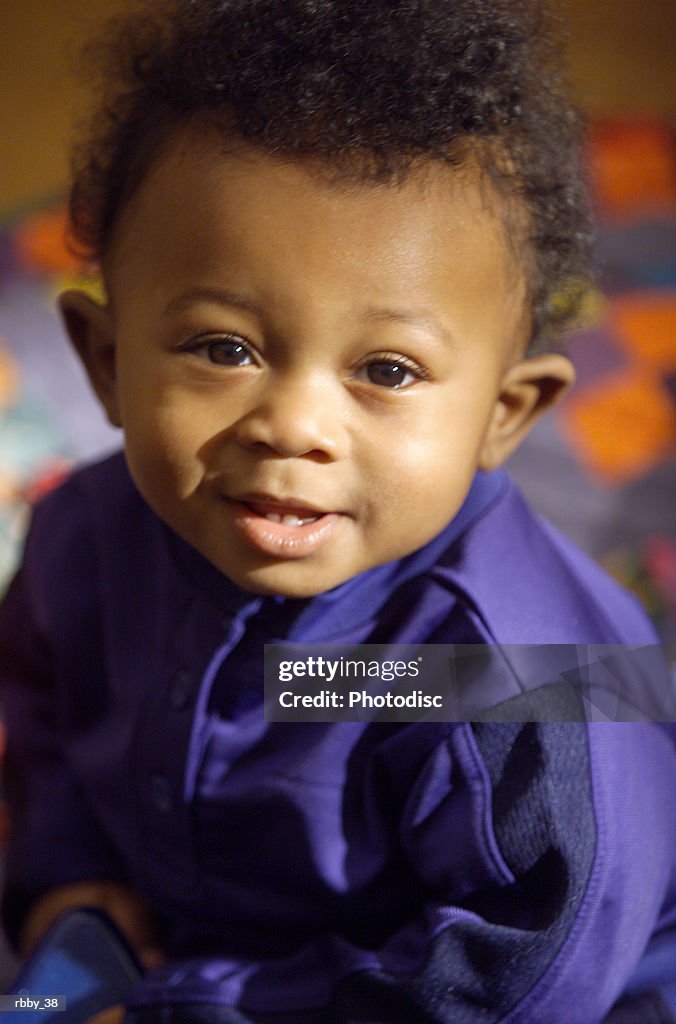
[529,388]
[90,328]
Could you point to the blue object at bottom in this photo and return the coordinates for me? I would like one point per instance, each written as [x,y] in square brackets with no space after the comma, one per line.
[83,957]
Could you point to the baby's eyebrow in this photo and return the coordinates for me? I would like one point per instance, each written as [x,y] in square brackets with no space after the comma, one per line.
[413,319]
[222,296]
[227,297]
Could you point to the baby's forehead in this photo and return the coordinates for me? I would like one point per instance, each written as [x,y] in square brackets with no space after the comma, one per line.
[293,248]
[197,161]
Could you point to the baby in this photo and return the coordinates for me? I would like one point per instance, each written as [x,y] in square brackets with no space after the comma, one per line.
[340,240]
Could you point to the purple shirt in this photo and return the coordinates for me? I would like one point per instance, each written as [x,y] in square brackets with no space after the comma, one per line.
[433,871]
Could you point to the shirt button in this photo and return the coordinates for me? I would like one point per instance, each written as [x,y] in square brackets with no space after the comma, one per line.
[179,690]
[160,791]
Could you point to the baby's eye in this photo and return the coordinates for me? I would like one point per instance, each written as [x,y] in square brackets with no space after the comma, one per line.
[390,373]
[224,350]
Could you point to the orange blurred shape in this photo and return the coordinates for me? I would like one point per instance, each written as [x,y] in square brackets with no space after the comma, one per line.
[40,243]
[9,378]
[622,427]
[646,325]
[633,165]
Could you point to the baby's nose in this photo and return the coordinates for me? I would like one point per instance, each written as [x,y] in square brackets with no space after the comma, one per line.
[294,419]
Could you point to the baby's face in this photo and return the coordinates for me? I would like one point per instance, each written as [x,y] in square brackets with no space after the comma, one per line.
[307,376]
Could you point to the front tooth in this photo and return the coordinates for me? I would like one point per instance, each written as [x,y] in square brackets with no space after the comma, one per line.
[291,520]
[274,517]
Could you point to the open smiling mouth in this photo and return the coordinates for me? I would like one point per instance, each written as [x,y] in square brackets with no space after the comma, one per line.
[283,530]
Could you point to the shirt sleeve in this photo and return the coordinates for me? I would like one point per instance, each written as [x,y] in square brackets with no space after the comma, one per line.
[547,851]
[54,836]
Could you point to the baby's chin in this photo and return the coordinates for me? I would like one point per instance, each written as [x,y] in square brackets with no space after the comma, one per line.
[278,581]
[300,579]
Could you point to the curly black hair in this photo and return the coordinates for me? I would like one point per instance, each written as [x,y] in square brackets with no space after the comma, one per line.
[368,88]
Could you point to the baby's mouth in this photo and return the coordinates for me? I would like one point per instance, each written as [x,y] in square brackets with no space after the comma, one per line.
[285,514]
[284,529]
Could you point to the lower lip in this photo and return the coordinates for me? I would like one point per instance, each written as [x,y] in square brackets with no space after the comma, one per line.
[281,541]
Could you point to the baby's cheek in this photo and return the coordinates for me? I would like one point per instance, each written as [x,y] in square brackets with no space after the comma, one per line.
[158,470]
[427,488]
[420,464]
[170,443]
